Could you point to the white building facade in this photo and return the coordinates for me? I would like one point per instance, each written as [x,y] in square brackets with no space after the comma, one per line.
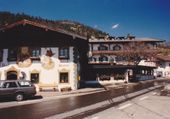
[163,69]
[47,71]
[47,57]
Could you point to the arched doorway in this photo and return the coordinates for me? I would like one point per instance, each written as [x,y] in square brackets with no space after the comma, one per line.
[11,75]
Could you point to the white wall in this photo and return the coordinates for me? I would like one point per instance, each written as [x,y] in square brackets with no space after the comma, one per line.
[165,69]
[46,76]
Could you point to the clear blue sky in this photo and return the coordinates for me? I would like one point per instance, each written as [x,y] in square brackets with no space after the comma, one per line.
[142,18]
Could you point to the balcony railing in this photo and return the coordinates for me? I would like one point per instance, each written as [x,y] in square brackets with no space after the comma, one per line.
[97,52]
[142,63]
[112,63]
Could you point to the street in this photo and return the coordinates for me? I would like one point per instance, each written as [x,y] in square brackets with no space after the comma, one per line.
[77,106]
[148,106]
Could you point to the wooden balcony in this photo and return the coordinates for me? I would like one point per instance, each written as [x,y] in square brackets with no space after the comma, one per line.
[124,63]
[96,52]
[113,63]
[112,52]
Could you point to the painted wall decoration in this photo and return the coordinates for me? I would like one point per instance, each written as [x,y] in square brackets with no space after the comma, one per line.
[46,62]
[49,53]
[23,59]
[25,63]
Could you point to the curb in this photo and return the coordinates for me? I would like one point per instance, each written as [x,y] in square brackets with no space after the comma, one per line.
[101,105]
[67,94]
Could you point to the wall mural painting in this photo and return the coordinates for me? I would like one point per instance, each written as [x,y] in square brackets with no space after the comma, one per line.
[23,75]
[46,60]
[49,52]
[24,57]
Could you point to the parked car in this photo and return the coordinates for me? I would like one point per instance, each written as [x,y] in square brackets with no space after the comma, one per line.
[17,89]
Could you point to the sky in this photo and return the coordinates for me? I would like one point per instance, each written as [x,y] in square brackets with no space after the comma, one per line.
[141,18]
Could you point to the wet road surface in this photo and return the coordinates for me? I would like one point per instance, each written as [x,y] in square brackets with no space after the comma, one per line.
[147,106]
[48,108]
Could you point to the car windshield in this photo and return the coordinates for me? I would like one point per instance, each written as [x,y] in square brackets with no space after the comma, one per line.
[24,84]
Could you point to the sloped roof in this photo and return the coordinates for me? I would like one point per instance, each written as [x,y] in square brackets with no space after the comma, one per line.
[126,40]
[163,58]
[40,25]
[149,39]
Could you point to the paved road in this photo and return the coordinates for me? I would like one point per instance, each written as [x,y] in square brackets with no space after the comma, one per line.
[46,109]
[148,106]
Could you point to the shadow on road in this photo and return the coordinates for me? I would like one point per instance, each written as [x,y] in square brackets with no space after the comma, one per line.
[28,98]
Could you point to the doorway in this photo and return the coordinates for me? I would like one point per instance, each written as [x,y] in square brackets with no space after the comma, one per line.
[11,75]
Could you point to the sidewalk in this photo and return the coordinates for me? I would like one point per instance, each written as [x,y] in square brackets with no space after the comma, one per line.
[50,93]
[104,86]
[117,90]
[81,112]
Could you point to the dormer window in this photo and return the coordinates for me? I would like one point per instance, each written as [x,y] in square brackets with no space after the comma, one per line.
[120,38]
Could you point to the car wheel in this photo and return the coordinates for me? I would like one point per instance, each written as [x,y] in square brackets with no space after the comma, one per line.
[19,97]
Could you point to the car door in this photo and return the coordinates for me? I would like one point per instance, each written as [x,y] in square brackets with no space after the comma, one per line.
[1,89]
[9,89]
[26,87]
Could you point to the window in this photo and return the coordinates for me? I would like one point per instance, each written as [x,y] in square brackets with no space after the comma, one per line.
[92,59]
[24,84]
[35,77]
[121,58]
[64,77]
[102,47]
[64,53]
[10,85]
[35,52]
[103,59]
[12,54]
[1,55]
[116,48]
[1,84]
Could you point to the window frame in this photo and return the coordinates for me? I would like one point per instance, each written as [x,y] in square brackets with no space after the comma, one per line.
[1,55]
[102,47]
[24,84]
[36,81]
[9,85]
[67,73]
[62,53]
[12,57]
[37,56]
[117,47]
[103,57]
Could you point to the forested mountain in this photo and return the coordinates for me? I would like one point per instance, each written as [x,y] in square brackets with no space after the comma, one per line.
[71,26]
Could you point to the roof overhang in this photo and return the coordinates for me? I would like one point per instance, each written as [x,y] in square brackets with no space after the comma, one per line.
[31,33]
